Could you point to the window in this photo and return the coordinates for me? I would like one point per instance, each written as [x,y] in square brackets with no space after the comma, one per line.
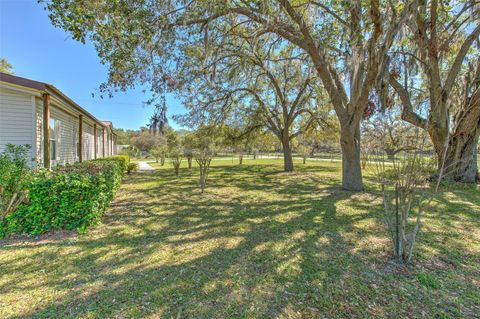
[75,144]
[86,146]
[54,139]
[98,145]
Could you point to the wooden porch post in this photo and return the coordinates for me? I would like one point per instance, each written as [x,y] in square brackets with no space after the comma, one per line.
[95,141]
[103,142]
[46,131]
[80,137]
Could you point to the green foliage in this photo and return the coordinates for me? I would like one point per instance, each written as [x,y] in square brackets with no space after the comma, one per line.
[131,151]
[14,175]
[174,142]
[73,197]
[145,141]
[304,151]
[132,167]
[428,280]
[159,152]
[123,160]
[125,136]
[176,159]
[5,66]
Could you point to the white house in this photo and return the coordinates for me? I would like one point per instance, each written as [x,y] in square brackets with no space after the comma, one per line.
[58,130]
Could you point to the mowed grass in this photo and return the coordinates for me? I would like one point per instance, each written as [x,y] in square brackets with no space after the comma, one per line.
[259,243]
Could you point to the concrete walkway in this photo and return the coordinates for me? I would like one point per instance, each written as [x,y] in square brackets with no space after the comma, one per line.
[144,167]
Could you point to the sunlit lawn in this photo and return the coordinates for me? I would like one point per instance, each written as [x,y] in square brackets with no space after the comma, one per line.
[258,244]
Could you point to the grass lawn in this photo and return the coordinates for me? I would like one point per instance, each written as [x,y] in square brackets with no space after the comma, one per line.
[258,244]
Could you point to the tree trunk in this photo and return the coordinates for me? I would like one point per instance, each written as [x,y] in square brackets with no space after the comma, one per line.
[202,181]
[461,159]
[390,154]
[287,156]
[461,155]
[189,160]
[351,166]
[304,160]
[439,137]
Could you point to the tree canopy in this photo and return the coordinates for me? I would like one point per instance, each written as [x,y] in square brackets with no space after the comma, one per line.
[219,52]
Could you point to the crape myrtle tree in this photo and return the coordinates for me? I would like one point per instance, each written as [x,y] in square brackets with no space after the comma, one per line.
[206,139]
[436,72]
[241,137]
[303,150]
[189,141]
[385,131]
[259,140]
[346,42]
[175,149]
[323,136]
[159,153]
[176,155]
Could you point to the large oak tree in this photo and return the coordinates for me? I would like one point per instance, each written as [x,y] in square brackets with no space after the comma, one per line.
[436,73]
[254,83]
[346,42]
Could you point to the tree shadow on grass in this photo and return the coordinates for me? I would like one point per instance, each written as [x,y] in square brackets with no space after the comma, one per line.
[244,249]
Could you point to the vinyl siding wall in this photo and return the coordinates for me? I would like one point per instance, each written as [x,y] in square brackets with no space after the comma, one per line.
[99,142]
[17,119]
[88,146]
[21,122]
[67,135]
[108,143]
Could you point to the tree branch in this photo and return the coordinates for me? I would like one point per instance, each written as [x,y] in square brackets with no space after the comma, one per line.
[407,109]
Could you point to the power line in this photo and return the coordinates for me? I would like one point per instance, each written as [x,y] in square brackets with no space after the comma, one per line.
[112,102]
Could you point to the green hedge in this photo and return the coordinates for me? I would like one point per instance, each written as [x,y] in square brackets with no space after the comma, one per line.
[123,160]
[73,197]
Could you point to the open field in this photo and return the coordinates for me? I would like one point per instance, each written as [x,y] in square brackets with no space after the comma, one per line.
[318,156]
[258,244]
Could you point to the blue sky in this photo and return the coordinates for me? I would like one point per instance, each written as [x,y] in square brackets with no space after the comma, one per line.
[41,52]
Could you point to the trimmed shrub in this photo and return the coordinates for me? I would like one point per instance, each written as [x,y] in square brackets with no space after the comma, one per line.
[72,197]
[123,160]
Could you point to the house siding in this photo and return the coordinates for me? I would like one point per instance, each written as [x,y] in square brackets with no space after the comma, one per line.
[39,131]
[88,146]
[99,142]
[108,138]
[16,118]
[67,140]
[21,122]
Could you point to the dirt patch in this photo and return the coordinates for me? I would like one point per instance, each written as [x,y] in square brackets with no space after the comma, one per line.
[28,240]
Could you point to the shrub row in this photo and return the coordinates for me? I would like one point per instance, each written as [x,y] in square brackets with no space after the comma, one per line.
[123,161]
[72,197]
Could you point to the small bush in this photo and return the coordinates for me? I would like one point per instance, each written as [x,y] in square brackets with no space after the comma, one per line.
[132,167]
[73,197]
[14,175]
